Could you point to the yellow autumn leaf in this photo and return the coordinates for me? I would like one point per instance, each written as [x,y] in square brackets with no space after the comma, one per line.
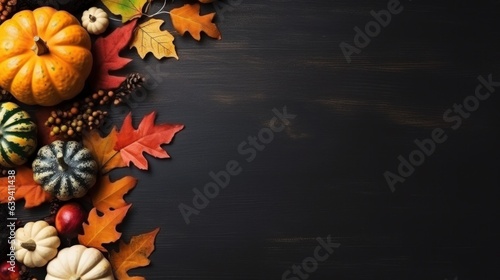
[148,37]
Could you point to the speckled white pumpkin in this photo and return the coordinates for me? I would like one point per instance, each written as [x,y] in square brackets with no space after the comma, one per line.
[65,169]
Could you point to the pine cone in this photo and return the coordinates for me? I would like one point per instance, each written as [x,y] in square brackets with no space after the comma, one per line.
[133,81]
[90,113]
[7,9]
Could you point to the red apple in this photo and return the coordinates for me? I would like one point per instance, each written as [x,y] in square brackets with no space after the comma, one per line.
[9,272]
[69,219]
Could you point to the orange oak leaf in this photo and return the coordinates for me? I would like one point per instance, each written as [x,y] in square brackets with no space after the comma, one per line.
[107,195]
[106,56]
[188,19]
[25,188]
[133,255]
[99,230]
[148,138]
[103,150]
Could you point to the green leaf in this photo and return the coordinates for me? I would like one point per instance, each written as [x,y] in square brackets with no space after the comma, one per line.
[127,9]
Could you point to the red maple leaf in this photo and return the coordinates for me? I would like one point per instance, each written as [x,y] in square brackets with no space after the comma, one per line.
[147,138]
[106,57]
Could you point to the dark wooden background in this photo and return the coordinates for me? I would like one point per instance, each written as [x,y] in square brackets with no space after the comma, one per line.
[323,175]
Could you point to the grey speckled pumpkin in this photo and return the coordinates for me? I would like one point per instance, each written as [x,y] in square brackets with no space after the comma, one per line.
[65,169]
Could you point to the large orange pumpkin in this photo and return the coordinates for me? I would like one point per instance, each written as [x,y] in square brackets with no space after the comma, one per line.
[45,56]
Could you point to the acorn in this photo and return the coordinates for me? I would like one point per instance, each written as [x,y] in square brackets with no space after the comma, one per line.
[7,9]
[88,113]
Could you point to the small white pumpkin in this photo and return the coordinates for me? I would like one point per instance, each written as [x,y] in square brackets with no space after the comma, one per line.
[95,20]
[79,262]
[36,243]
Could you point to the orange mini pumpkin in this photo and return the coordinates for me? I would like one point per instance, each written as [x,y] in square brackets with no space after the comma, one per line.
[45,56]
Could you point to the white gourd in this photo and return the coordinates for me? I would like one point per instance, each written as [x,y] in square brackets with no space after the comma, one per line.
[36,243]
[95,20]
[79,263]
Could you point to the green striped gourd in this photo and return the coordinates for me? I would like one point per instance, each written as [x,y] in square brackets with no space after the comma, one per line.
[65,169]
[18,135]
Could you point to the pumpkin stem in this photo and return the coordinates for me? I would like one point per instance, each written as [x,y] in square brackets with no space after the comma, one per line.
[60,159]
[92,18]
[40,47]
[29,245]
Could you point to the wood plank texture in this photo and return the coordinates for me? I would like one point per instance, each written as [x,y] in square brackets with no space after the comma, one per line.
[323,174]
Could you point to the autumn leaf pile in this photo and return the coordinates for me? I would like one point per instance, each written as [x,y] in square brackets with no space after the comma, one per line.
[126,146]
[142,30]
[119,148]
